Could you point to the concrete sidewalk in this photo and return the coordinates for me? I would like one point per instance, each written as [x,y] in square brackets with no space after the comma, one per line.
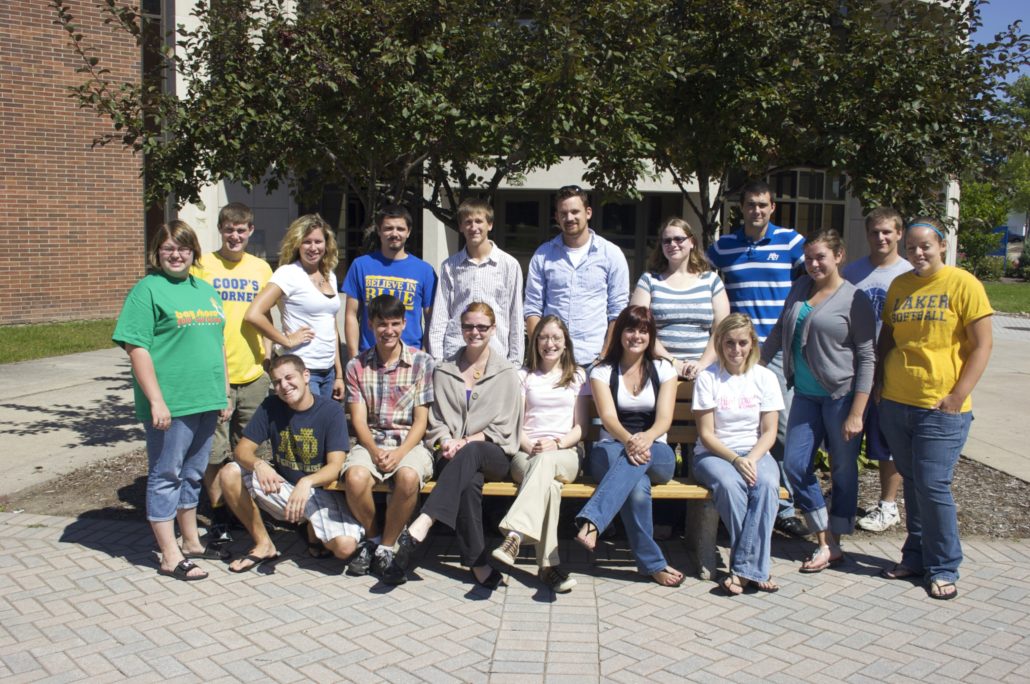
[64,413]
[1000,434]
[81,600]
[67,412]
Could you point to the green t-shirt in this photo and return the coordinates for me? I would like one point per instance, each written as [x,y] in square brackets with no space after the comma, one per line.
[180,323]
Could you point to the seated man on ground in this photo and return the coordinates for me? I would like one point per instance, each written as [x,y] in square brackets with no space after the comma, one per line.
[309,444]
[389,390]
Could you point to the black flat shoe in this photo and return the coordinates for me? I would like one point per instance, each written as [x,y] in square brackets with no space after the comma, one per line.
[492,581]
[406,545]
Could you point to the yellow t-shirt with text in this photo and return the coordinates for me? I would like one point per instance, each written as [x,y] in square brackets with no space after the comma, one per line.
[928,318]
[237,284]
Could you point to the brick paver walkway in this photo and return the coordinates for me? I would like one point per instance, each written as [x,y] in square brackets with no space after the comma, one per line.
[81,600]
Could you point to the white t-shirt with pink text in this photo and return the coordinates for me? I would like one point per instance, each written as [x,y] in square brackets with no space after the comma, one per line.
[739,401]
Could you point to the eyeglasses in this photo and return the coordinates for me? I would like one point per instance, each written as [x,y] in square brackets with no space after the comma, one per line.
[478,327]
[678,240]
[169,251]
[551,339]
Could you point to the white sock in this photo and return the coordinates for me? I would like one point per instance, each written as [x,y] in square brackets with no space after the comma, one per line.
[889,506]
[383,550]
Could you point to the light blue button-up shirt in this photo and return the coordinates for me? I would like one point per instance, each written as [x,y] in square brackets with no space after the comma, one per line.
[585,297]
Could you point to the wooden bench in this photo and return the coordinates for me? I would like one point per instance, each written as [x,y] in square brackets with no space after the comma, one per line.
[702,520]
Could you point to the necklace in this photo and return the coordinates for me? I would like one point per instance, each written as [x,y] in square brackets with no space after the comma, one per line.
[477,372]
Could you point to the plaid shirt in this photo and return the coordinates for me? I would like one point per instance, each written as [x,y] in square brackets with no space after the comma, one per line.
[390,393]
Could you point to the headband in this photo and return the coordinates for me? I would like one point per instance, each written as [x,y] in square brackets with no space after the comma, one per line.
[926,225]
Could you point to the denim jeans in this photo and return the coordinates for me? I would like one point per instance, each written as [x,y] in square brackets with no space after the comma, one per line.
[177,458]
[926,444]
[747,512]
[785,506]
[625,488]
[813,419]
[322,385]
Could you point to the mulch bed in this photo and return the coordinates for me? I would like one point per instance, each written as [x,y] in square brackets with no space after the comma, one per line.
[991,503]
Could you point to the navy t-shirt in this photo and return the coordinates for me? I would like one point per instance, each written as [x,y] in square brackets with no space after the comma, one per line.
[300,439]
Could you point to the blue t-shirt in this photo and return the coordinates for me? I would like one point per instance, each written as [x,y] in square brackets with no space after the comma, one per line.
[410,280]
[300,439]
[804,381]
[758,274]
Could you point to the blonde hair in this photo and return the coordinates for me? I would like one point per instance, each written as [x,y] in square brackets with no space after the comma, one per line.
[737,321]
[178,232]
[300,229]
[696,262]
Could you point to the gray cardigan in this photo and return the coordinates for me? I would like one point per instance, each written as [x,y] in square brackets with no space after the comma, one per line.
[837,341]
[495,406]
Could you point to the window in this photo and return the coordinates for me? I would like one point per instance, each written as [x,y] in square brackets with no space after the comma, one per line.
[808,200]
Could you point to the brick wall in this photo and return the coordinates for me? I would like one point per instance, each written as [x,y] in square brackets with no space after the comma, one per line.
[71,217]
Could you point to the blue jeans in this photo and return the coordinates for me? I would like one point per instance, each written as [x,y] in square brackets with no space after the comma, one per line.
[625,489]
[321,382]
[926,444]
[747,512]
[177,458]
[785,506]
[813,419]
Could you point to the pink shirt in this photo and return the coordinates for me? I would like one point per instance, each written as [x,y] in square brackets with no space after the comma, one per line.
[550,410]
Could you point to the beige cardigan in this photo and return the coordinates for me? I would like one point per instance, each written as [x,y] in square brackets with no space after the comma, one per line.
[495,407]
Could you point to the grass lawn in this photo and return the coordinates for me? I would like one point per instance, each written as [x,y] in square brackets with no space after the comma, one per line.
[25,342]
[1009,297]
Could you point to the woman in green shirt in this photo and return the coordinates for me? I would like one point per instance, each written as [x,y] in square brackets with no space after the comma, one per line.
[171,326]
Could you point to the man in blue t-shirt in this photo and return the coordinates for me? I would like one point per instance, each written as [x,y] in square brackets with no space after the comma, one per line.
[388,270]
[309,444]
[758,264]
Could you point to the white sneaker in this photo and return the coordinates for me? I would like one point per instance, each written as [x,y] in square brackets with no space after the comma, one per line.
[557,579]
[879,520]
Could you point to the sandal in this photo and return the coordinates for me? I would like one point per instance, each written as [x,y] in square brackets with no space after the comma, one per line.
[586,531]
[209,553]
[182,571]
[768,586]
[819,560]
[899,572]
[661,578]
[938,590]
[731,585]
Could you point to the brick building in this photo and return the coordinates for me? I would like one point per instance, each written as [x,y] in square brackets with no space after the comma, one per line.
[71,217]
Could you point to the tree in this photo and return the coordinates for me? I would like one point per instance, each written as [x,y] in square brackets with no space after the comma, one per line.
[734,92]
[380,97]
[387,97]
[910,99]
[892,93]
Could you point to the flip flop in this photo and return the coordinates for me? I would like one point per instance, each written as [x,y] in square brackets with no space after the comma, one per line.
[899,572]
[670,573]
[731,585]
[255,562]
[828,563]
[182,572]
[768,586]
[935,590]
[583,537]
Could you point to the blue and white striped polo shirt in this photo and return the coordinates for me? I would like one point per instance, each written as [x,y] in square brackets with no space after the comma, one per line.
[758,274]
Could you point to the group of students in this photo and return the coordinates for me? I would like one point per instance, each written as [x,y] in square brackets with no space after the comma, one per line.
[465,413]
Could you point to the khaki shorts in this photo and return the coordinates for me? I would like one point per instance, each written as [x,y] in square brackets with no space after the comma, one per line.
[418,459]
[326,511]
[245,401]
